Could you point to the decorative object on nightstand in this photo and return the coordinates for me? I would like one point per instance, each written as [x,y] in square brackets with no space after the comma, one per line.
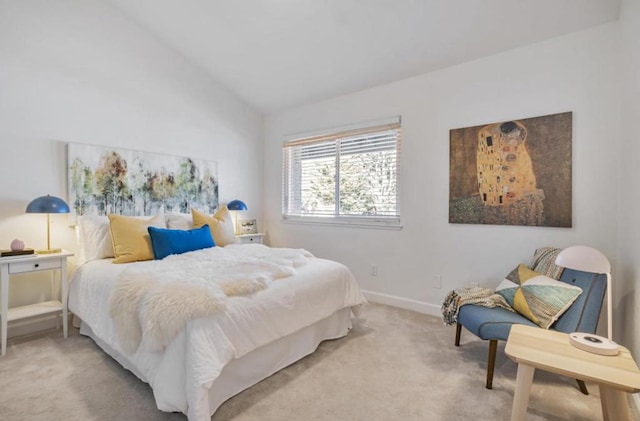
[593,343]
[17,245]
[247,226]
[236,206]
[48,204]
[27,264]
[16,249]
[14,253]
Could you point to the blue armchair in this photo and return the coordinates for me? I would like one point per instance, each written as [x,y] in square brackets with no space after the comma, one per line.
[494,324]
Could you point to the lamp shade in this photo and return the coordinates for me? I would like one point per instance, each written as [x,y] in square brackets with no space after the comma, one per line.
[583,258]
[47,204]
[588,259]
[237,205]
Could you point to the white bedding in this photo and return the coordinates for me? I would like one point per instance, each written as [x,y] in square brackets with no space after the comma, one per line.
[182,373]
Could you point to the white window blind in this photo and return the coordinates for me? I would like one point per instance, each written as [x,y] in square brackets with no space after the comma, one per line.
[351,174]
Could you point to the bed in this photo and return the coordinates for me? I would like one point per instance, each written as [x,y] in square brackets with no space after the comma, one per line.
[253,335]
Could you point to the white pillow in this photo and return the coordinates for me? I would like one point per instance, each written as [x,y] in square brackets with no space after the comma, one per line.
[95,237]
[179,221]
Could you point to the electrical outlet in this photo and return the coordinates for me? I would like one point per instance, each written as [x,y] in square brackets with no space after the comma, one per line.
[436,281]
[374,270]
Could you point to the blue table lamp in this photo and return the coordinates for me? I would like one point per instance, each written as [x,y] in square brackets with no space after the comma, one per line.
[236,205]
[48,204]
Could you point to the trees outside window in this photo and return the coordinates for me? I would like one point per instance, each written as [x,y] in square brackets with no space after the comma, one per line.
[350,174]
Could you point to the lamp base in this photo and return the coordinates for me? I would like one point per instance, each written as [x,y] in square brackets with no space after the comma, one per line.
[593,343]
[49,251]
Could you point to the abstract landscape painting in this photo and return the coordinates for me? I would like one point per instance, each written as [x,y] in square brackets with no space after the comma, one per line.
[515,172]
[127,182]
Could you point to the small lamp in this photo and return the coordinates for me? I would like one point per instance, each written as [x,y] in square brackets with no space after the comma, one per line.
[236,205]
[48,204]
[588,259]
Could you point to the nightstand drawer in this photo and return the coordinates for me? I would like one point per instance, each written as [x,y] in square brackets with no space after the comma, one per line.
[21,267]
[250,238]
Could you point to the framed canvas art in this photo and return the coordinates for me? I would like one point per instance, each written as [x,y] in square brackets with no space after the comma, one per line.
[127,182]
[247,226]
[515,172]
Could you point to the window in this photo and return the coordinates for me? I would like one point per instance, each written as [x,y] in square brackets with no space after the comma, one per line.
[350,176]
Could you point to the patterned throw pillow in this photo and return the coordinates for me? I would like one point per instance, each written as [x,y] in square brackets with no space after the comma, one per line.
[544,262]
[537,297]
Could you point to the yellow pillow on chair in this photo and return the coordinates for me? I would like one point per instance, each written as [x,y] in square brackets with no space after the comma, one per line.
[220,224]
[131,241]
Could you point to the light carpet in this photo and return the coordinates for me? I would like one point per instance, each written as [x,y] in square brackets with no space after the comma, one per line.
[394,365]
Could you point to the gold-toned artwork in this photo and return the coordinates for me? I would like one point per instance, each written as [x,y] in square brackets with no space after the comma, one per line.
[514,172]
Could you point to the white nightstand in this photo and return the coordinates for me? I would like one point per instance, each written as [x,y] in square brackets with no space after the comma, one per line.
[26,264]
[250,238]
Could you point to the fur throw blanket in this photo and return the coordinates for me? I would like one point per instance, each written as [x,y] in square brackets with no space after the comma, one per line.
[154,300]
[471,295]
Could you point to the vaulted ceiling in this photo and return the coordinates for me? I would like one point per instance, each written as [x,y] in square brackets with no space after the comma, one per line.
[277,54]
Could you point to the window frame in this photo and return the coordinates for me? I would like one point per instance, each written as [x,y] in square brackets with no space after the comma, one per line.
[356,221]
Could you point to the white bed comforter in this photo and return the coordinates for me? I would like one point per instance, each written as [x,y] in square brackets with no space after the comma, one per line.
[182,373]
[154,300]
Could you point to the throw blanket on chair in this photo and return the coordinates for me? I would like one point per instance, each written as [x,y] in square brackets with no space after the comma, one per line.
[154,300]
[471,295]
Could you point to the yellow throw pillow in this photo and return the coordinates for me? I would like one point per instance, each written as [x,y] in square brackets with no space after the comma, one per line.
[220,224]
[131,241]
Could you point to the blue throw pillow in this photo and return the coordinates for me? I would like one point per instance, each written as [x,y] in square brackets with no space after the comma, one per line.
[165,241]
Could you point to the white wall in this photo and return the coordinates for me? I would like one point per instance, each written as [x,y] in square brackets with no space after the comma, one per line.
[628,275]
[80,71]
[578,73]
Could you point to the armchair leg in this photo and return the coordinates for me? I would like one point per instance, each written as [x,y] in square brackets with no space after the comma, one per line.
[583,387]
[493,348]
[458,330]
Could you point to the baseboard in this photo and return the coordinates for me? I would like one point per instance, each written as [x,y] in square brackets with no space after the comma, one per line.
[401,302]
